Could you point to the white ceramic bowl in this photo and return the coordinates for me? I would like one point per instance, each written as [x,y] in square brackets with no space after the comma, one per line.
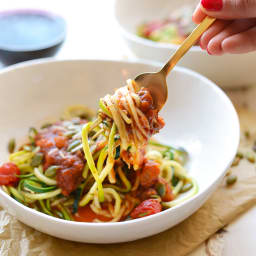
[198,116]
[227,70]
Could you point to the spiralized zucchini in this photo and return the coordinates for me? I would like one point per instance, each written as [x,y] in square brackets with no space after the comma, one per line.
[90,160]
[108,165]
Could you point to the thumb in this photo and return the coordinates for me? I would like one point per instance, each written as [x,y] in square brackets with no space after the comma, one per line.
[229,9]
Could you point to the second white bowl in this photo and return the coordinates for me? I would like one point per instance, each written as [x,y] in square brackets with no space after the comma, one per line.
[227,70]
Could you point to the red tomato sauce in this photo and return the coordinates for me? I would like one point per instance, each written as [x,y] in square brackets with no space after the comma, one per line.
[70,166]
[147,107]
[86,214]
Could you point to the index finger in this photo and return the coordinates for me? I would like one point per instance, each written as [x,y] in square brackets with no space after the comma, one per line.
[198,14]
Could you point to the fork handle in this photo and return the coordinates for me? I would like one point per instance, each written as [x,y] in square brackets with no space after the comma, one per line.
[187,44]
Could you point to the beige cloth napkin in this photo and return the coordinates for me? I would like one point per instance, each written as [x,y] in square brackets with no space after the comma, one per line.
[225,204]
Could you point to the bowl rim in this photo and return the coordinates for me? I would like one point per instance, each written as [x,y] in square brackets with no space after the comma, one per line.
[39,12]
[137,39]
[201,192]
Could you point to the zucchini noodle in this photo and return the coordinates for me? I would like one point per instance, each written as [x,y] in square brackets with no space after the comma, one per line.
[43,178]
[129,115]
[125,181]
[110,194]
[122,176]
[22,159]
[102,157]
[88,197]
[104,109]
[5,189]
[41,196]
[90,161]
[105,171]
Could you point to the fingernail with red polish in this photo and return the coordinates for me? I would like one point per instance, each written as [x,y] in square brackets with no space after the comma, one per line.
[212,5]
[208,51]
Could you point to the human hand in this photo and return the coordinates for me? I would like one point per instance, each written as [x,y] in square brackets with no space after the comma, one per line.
[234,31]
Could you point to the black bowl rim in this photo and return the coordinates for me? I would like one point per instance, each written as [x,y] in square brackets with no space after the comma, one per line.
[53,42]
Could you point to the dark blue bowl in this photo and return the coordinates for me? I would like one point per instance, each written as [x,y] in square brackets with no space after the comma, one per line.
[29,34]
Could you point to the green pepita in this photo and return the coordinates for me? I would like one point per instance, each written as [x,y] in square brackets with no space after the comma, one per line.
[37,159]
[236,161]
[46,125]
[73,144]
[161,190]
[11,145]
[250,156]
[231,179]
[186,187]
[51,171]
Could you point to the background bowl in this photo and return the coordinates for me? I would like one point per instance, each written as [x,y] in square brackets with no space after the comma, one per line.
[198,115]
[227,70]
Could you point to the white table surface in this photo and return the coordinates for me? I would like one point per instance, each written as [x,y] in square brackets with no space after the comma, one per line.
[92,33]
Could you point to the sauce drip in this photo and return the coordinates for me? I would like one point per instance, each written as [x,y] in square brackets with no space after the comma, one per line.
[85,214]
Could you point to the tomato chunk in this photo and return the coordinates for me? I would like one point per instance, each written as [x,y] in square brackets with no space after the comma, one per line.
[160,122]
[150,173]
[146,100]
[60,141]
[147,194]
[70,166]
[44,143]
[8,172]
[168,195]
[146,208]
[151,27]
